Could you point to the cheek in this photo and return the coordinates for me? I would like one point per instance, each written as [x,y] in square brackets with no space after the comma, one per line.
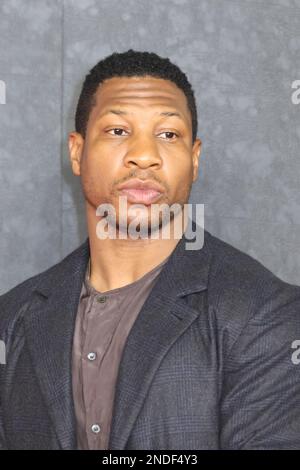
[95,166]
[179,172]
[95,175]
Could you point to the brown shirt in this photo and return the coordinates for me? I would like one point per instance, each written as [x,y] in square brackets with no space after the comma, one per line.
[103,322]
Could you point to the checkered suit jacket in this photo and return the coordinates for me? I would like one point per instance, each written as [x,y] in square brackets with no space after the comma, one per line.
[207,364]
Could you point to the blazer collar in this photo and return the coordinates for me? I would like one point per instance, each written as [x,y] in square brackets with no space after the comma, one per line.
[50,324]
[187,269]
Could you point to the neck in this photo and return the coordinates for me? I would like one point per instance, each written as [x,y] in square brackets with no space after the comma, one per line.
[117,262]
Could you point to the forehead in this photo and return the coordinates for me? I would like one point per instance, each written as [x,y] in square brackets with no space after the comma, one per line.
[141,92]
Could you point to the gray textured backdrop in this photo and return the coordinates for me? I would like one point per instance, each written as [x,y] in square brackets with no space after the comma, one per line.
[241,57]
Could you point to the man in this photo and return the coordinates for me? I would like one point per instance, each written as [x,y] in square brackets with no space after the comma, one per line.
[140,343]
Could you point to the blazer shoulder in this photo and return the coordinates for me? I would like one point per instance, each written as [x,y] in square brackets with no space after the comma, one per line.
[239,285]
[14,300]
[232,264]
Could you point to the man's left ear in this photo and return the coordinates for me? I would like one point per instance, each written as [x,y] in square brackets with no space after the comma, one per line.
[196,155]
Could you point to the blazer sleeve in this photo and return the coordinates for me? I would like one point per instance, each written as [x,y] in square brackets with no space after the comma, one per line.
[260,397]
[3,444]
[2,437]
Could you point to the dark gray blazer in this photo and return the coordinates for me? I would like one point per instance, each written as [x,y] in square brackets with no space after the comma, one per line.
[207,364]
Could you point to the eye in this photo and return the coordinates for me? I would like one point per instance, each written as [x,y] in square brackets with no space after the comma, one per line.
[170,135]
[118,129]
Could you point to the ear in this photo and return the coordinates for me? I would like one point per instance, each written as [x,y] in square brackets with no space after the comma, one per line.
[76,144]
[195,155]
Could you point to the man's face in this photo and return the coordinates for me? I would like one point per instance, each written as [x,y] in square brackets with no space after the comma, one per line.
[132,134]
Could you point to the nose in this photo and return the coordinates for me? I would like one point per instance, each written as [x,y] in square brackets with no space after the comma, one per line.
[143,153]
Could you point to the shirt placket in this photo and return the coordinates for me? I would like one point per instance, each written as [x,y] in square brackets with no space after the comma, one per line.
[94,349]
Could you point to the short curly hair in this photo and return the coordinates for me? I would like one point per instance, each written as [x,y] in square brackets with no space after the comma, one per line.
[130,64]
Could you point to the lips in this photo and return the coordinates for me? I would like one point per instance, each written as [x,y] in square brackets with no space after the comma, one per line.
[139,191]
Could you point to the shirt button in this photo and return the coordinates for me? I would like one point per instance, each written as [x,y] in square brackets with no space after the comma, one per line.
[96,428]
[91,356]
[101,299]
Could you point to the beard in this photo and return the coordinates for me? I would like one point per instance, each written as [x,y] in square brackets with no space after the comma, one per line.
[139,221]
[136,219]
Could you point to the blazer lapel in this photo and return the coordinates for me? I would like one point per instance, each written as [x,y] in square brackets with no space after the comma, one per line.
[165,315]
[49,329]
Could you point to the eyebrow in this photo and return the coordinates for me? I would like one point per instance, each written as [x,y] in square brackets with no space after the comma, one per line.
[122,112]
